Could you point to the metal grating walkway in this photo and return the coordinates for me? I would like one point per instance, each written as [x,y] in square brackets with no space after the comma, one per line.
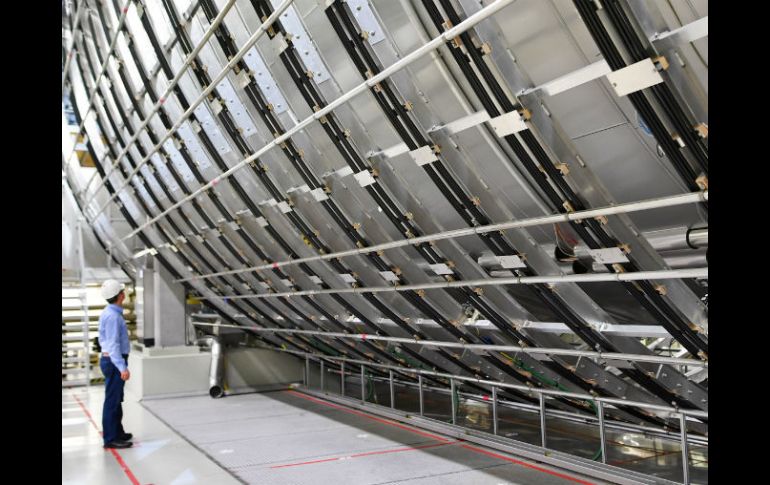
[288,437]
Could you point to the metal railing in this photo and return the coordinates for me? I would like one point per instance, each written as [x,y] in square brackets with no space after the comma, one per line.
[542,395]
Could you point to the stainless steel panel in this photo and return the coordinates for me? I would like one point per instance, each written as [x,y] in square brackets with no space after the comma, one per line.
[211,128]
[609,153]
[367,20]
[176,158]
[305,45]
[265,80]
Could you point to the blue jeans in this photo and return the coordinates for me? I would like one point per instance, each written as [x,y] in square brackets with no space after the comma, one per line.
[112,413]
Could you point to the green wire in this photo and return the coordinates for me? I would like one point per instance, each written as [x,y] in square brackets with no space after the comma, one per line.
[551,383]
[408,359]
[371,393]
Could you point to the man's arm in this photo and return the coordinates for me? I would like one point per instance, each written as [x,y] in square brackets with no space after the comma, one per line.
[111,327]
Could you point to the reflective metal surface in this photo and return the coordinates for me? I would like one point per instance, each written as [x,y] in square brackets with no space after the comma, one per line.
[430,148]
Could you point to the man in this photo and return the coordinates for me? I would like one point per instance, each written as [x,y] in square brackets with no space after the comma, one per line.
[113,339]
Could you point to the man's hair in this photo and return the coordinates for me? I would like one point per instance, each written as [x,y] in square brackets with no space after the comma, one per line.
[114,298]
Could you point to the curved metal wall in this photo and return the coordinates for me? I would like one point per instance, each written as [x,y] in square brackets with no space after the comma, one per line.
[394,162]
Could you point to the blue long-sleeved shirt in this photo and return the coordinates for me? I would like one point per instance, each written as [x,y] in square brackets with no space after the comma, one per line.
[113,335]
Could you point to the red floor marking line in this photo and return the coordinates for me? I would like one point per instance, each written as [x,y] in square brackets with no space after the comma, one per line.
[306,462]
[373,418]
[407,448]
[114,452]
[368,453]
[125,468]
[443,440]
[88,414]
[528,465]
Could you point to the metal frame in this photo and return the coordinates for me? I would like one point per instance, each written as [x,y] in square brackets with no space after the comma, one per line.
[395,67]
[154,110]
[470,175]
[537,453]
[547,392]
[84,302]
[209,32]
[501,226]
[102,70]
[608,356]
[564,415]
[517,280]
[541,409]
[71,51]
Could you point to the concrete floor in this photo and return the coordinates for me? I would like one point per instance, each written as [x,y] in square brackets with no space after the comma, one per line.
[159,456]
[274,438]
[289,437]
[653,456]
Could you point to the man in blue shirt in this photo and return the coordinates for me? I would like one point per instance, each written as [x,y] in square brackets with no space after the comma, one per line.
[113,339]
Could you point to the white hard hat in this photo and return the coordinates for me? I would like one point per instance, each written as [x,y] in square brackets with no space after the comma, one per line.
[111,288]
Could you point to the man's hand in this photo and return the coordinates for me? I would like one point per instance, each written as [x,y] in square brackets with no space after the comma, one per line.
[125,375]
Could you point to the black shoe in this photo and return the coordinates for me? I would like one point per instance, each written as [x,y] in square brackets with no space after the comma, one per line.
[126,437]
[119,444]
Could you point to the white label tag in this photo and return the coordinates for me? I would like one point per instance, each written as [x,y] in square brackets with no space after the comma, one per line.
[635,77]
[608,255]
[423,155]
[508,124]
[364,178]
[347,278]
[511,262]
[441,269]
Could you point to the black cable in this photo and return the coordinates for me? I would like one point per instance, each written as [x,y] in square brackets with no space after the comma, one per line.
[371,68]
[661,92]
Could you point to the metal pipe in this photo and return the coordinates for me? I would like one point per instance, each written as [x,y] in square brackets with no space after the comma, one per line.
[188,61]
[342,379]
[369,83]
[80,8]
[486,382]
[685,450]
[454,404]
[602,433]
[477,347]
[322,375]
[392,393]
[698,238]
[494,410]
[534,221]
[513,280]
[363,384]
[419,384]
[685,258]
[542,419]
[307,371]
[217,367]
[105,64]
[675,238]
[84,300]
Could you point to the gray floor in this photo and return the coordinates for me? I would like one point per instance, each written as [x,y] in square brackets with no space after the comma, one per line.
[634,451]
[159,456]
[290,438]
